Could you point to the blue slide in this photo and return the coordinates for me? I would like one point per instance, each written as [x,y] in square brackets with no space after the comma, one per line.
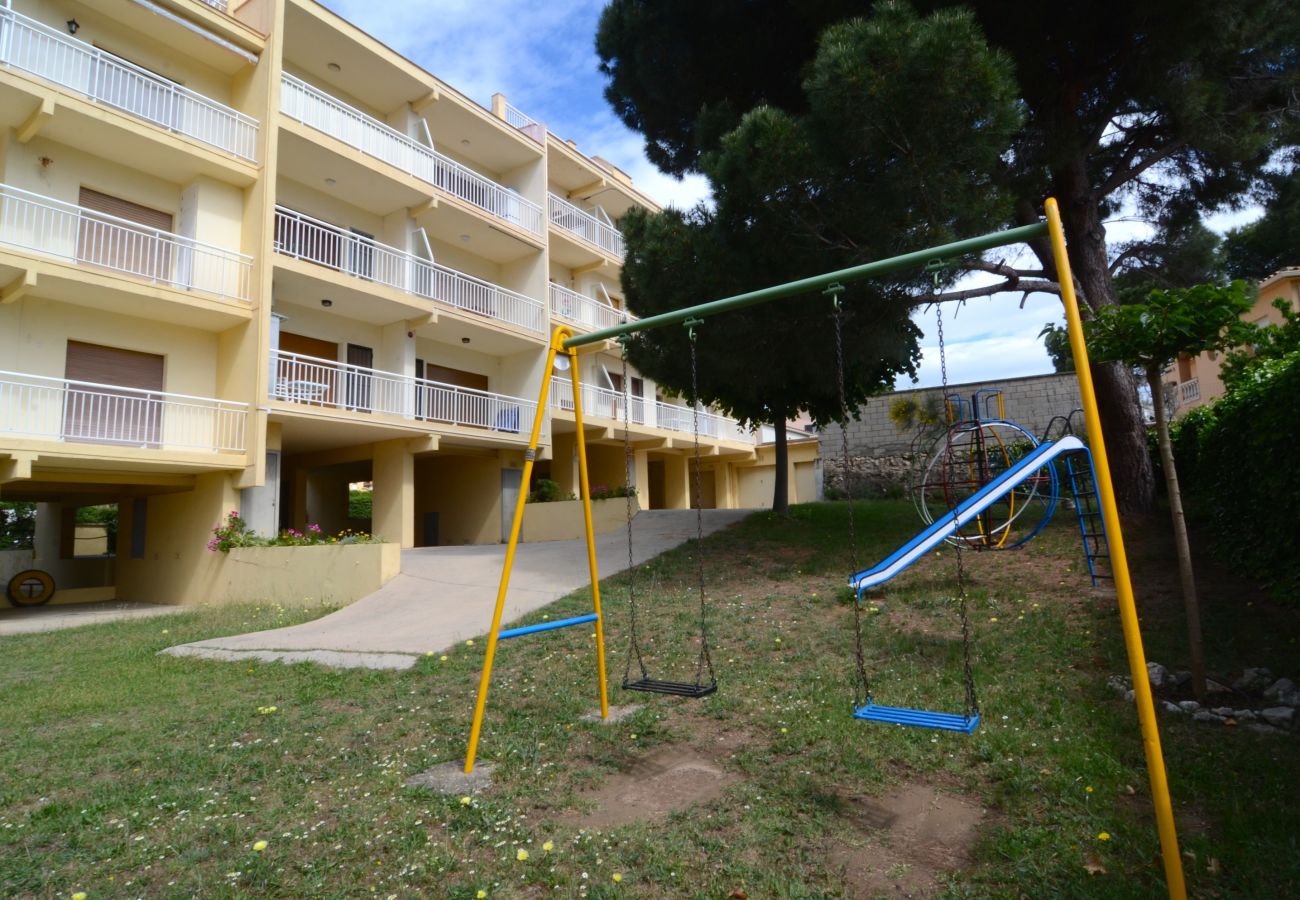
[969,508]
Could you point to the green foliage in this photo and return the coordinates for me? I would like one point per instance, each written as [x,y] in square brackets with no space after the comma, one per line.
[360,504]
[1056,338]
[548,491]
[1268,343]
[602,492]
[916,411]
[1272,242]
[236,533]
[1234,457]
[17,525]
[1152,334]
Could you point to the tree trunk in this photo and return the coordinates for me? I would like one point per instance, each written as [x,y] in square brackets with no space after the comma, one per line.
[1116,389]
[781,483]
[1191,602]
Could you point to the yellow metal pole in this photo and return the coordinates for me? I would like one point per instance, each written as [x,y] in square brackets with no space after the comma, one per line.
[530,455]
[585,491]
[1173,862]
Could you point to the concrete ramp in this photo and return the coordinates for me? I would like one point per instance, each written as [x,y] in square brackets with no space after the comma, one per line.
[445,595]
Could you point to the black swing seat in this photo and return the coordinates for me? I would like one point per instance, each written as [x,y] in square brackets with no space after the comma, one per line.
[691,689]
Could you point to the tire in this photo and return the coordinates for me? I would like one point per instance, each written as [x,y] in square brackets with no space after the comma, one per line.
[31,588]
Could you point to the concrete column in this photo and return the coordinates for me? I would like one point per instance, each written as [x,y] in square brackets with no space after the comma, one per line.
[677,483]
[394,499]
[564,462]
[641,477]
[49,533]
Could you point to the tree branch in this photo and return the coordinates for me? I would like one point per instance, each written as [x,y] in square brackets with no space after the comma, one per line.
[1119,178]
[988,290]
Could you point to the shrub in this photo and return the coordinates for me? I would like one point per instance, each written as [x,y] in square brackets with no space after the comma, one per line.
[1234,457]
[548,491]
[236,533]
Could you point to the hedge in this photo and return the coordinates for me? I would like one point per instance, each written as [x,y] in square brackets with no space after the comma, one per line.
[1239,466]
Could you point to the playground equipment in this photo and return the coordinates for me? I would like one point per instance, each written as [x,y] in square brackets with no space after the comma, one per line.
[563,341]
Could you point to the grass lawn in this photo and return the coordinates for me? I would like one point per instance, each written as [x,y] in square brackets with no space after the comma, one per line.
[124,773]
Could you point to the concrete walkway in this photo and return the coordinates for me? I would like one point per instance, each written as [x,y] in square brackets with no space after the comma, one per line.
[445,595]
[33,619]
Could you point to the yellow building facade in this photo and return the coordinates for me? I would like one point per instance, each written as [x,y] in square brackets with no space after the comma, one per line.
[250,256]
[1194,381]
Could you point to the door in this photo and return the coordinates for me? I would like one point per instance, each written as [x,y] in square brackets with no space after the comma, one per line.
[443,403]
[120,245]
[110,412]
[358,385]
[361,254]
[511,481]
[311,375]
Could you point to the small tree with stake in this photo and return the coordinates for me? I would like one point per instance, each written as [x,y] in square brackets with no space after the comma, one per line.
[1150,336]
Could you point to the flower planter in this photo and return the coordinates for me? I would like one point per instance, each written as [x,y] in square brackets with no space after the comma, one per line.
[562,519]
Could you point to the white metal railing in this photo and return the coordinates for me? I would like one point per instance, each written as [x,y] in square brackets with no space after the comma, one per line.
[586,311]
[1189,391]
[36,48]
[682,418]
[222,5]
[313,107]
[325,383]
[586,226]
[85,412]
[301,236]
[597,401]
[86,236]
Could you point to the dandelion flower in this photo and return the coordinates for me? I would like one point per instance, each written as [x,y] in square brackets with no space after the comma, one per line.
[79,895]
[1103,836]
[442,658]
[481,895]
[521,855]
[465,801]
[1088,789]
[259,846]
[469,643]
[548,846]
[617,877]
[778,640]
[784,730]
[428,653]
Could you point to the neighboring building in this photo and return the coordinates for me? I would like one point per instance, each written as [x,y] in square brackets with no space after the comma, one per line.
[249,256]
[1194,381]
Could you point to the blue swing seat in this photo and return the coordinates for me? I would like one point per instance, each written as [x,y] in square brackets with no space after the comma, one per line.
[918,718]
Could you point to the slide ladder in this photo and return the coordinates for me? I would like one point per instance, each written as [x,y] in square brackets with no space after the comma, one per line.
[1083,486]
[955,519]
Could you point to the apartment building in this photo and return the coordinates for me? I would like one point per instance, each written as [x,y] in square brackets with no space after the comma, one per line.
[1194,381]
[250,256]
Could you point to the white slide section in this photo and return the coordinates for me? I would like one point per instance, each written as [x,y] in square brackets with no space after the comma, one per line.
[968,509]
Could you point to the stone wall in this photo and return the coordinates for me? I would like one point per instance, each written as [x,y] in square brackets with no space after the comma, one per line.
[881,456]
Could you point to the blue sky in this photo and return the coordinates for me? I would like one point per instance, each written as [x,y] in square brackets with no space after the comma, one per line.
[541,56]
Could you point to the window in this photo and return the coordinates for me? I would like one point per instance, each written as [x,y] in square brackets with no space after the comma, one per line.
[112,396]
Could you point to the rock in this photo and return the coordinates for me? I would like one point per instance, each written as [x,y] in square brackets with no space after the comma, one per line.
[1130,695]
[1203,716]
[1117,683]
[1215,687]
[1182,679]
[1279,716]
[1190,706]
[1260,728]
[1253,680]
[1245,715]
[1157,674]
[1171,707]
[1280,688]
[1292,699]
[1224,711]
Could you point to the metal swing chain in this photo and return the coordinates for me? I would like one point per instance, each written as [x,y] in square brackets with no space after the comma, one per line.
[634,644]
[972,702]
[704,661]
[861,685]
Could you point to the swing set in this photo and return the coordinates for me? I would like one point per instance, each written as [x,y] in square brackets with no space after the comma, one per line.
[567,346]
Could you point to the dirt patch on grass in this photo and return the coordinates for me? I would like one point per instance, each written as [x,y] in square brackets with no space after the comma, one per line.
[652,787]
[912,836]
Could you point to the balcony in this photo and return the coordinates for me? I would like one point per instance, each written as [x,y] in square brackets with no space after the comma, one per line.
[316,109]
[585,312]
[39,50]
[575,221]
[33,222]
[323,383]
[55,409]
[608,404]
[1189,391]
[303,237]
